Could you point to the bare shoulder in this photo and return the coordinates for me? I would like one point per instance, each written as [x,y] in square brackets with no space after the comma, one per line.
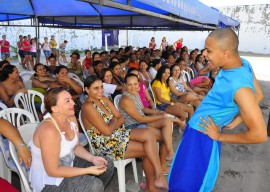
[105,100]
[126,101]
[47,128]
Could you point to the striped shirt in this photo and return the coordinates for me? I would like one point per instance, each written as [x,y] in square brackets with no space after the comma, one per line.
[129,120]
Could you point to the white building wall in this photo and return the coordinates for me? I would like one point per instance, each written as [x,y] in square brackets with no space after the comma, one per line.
[254,33]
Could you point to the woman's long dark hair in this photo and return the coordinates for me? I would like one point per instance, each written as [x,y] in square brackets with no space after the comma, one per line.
[89,81]
[6,71]
[162,70]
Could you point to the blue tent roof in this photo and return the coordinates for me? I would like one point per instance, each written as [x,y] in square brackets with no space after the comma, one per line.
[184,14]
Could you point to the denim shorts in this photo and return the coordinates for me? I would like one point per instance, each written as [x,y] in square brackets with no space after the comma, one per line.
[162,107]
[137,125]
[26,53]
[33,54]
[21,54]
[47,53]
[5,55]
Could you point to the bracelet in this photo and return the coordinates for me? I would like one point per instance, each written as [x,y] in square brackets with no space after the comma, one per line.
[20,146]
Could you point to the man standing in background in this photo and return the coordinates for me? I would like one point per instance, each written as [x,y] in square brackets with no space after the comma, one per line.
[5,53]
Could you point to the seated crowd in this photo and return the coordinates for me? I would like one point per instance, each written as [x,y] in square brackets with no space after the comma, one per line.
[160,90]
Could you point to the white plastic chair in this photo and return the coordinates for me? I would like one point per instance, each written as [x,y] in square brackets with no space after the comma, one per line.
[192,75]
[28,84]
[73,76]
[187,75]
[79,82]
[3,106]
[116,101]
[151,93]
[27,101]
[26,131]
[118,164]
[42,108]
[16,117]
[26,75]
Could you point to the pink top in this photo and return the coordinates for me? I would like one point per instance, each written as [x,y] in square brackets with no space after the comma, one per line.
[143,95]
[197,80]
[33,48]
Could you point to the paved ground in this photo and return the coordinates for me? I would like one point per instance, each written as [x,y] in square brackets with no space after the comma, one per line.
[243,167]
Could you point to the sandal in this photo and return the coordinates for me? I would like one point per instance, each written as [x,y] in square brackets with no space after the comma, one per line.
[143,185]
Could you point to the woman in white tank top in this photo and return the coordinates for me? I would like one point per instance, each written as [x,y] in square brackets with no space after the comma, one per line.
[59,163]
[144,75]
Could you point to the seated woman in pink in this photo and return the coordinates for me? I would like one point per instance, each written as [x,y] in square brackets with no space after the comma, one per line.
[144,94]
[202,82]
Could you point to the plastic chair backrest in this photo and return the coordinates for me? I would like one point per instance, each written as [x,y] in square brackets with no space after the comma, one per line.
[78,81]
[28,84]
[73,76]
[26,75]
[192,74]
[187,75]
[151,93]
[27,101]
[116,101]
[42,108]
[26,131]
[85,132]
[2,106]
[17,117]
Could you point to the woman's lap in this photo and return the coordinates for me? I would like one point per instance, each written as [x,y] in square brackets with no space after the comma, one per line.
[83,183]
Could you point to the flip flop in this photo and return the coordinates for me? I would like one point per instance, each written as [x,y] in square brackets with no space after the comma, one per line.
[143,185]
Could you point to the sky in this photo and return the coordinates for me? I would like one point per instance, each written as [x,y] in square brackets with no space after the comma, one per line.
[221,3]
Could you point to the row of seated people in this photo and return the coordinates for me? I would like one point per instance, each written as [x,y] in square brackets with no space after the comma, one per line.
[64,165]
[163,74]
[163,135]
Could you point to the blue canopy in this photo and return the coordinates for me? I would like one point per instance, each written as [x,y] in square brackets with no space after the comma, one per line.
[132,14]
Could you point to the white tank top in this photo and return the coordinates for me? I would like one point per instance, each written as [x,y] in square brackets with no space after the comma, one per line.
[46,46]
[38,176]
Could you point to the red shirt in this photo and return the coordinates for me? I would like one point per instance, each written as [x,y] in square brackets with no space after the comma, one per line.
[178,45]
[26,45]
[4,49]
[88,62]
[135,65]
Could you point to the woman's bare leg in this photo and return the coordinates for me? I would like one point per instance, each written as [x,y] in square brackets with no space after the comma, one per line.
[165,125]
[162,156]
[143,144]
[177,112]
[187,108]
